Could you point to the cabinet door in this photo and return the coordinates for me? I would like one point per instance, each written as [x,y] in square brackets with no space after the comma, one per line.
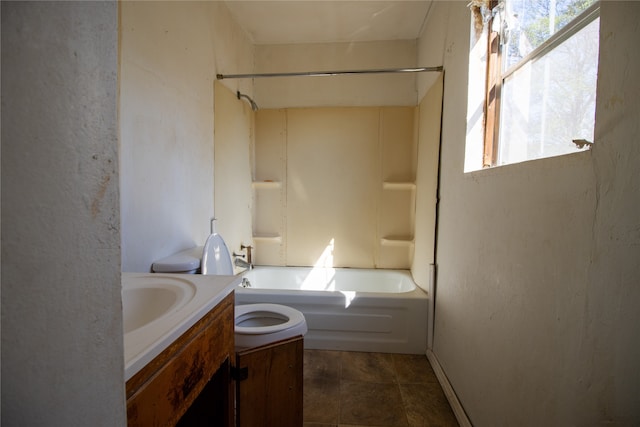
[269,385]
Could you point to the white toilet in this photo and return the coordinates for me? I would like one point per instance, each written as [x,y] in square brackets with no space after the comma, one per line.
[255,324]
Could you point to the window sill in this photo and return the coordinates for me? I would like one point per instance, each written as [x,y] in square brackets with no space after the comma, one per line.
[540,164]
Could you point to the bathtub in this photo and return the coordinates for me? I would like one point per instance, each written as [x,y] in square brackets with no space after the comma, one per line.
[345,308]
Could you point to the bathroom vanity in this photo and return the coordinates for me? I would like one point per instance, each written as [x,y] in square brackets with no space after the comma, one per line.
[179,347]
[186,376]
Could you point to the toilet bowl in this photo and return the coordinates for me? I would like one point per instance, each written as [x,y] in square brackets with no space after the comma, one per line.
[255,324]
[260,324]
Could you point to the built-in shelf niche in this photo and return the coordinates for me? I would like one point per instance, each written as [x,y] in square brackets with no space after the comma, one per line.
[397,240]
[273,238]
[267,221]
[269,185]
[266,185]
[397,221]
[268,205]
[396,205]
[398,185]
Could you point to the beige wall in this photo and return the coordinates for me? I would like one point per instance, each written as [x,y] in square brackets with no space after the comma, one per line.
[344,179]
[170,53]
[537,286]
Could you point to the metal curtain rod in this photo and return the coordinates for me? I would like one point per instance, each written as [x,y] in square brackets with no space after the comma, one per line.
[329,73]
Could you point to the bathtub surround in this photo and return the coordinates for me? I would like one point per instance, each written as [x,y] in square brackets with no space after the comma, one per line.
[343,187]
[429,115]
[233,134]
[356,197]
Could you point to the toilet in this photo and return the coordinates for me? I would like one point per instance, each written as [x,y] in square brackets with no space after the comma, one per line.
[255,324]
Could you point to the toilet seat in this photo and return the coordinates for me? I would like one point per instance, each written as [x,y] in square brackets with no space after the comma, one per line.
[293,324]
[291,316]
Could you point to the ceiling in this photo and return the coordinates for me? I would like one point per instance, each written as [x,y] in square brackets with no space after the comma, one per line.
[317,21]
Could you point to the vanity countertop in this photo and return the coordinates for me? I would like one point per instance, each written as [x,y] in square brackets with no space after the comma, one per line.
[159,308]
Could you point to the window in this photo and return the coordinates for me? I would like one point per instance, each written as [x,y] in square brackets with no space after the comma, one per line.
[541,62]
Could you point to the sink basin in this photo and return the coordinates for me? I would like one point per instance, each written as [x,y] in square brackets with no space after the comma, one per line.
[147,302]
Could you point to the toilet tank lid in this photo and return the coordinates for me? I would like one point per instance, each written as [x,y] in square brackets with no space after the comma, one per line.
[186,260]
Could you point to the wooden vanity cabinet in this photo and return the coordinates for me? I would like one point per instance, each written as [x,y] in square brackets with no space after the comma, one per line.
[196,364]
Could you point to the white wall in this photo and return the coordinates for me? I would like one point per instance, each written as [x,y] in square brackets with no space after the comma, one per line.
[537,287]
[170,54]
[62,349]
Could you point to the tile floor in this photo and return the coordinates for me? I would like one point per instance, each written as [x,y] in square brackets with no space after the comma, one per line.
[372,389]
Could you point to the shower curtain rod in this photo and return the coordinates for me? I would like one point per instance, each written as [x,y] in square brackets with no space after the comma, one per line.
[329,73]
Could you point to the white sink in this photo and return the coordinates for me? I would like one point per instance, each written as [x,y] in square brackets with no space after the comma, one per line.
[143,303]
[158,308]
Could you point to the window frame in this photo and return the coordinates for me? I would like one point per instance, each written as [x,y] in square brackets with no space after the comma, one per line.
[495,77]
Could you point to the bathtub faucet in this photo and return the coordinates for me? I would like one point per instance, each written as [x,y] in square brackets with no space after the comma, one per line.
[239,262]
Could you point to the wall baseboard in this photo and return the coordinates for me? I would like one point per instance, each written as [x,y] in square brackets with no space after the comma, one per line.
[456,406]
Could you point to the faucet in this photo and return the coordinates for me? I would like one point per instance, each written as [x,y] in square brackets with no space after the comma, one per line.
[248,248]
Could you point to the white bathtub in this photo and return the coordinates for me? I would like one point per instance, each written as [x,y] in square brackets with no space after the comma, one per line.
[345,308]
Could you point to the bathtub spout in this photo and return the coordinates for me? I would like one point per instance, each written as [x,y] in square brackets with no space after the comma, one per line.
[239,262]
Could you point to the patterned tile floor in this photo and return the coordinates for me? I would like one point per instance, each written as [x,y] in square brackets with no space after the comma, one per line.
[372,389]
